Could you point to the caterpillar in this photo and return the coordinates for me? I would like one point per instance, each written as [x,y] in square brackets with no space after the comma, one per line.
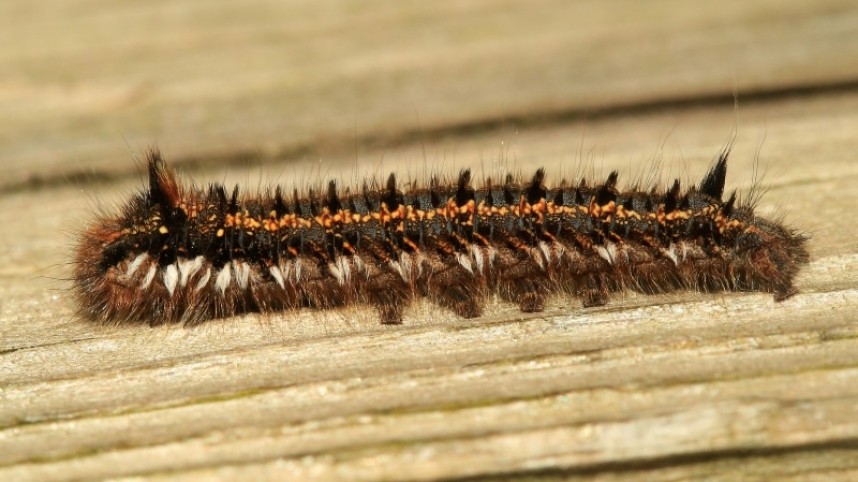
[179,253]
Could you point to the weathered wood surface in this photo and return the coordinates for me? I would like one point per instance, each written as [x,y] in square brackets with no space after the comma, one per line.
[675,387]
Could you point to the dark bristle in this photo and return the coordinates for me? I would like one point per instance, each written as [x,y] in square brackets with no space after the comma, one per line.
[435,195]
[536,190]
[611,182]
[333,201]
[280,207]
[164,190]
[465,192]
[510,190]
[391,196]
[233,201]
[464,181]
[579,195]
[671,198]
[608,191]
[489,199]
[391,183]
[302,204]
[727,208]
[219,194]
[714,181]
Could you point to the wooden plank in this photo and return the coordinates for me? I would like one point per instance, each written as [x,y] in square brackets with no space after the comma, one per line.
[681,386]
[86,82]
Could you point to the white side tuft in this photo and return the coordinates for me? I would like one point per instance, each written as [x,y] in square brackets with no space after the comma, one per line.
[546,251]
[478,257]
[608,252]
[153,269]
[407,263]
[223,279]
[337,273]
[242,273]
[204,280]
[188,268]
[605,254]
[465,261]
[493,253]
[171,278]
[278,276]
[670,252]
[298,271]
[397,266]
[341,270]
[135,265]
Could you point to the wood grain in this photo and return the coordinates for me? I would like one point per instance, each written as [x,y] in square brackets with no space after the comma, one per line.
[87,81]
[677,387]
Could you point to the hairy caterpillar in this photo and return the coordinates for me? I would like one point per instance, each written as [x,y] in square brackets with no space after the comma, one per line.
[181,253]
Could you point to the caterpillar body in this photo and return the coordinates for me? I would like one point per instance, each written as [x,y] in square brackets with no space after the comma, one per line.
[180,253]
